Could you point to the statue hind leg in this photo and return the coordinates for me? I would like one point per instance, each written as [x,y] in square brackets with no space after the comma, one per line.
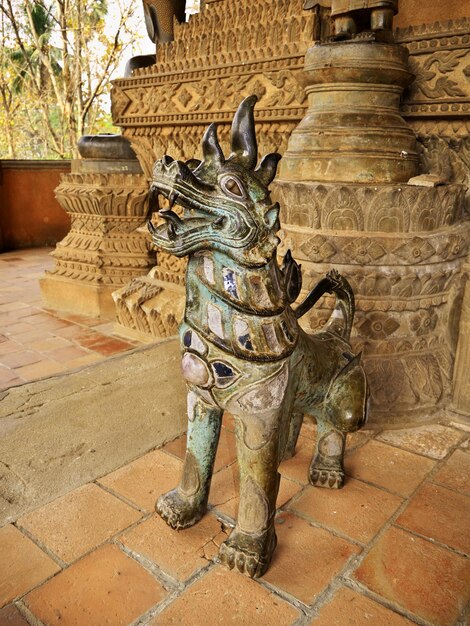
[295,424]
[184,506]
[344,410]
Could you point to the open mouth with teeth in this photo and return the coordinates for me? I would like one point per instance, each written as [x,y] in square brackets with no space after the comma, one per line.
[207,218]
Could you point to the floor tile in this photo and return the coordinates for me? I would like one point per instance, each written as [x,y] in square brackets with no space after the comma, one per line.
[111,346]
[418,576]
[386,466]
[19,359]
[296,468]
[433,440]
[84,360]
[178,553]
[224,487]
[455,473]
[18,328]
[358,510]
[67,353]
[222,597]
[9,347]
[22,566]
[10,616]
[306,558]
[440,514]
[226,452]
[105,587]
[348,608]
[12,306]
[49,343]
[41,369]
[142,481]
[6,374]
[79,521]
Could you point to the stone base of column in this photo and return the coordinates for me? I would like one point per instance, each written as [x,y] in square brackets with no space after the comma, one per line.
[70,295]
[103,250]
[402,248]
[151,307]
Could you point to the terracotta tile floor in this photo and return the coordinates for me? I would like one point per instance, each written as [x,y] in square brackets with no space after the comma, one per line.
[390,549]
[36,342]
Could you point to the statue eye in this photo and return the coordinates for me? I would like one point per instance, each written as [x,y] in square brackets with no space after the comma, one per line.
[232,186]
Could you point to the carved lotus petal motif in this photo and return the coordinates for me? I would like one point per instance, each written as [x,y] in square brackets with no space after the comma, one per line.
[318,249]
[416,250]
[423,322]
[378,326]
[365,250]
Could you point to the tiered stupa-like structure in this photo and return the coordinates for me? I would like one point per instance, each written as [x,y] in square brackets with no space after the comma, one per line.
[353,200]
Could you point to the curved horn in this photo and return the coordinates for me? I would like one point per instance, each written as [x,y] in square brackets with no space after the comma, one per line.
[244,146]
[211,150]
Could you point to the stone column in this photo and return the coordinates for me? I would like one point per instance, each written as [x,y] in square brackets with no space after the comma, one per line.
[106,199]
[461,399]
[347,203]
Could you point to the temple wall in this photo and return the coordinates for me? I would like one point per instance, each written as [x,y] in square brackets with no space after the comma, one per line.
[416,12]
[30,215]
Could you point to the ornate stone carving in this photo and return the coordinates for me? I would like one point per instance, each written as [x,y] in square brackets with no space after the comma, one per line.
[438,102]
[402,249]
[103,250]
[259,48]
[227,49]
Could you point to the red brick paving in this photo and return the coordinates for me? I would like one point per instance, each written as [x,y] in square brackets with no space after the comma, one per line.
[36,342]
[390,548]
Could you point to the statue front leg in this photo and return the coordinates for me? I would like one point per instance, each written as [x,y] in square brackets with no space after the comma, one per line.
[250,546]
[184,506]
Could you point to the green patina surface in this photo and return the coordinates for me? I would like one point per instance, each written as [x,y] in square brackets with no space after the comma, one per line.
[242,348]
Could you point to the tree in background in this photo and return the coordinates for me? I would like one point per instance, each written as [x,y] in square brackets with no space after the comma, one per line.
[57,58]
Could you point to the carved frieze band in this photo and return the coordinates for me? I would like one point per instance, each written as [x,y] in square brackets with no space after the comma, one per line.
[103,246]
[440,59]
[380,208]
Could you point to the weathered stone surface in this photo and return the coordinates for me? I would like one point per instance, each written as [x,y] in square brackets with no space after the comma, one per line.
[64,431]
[103,249]
[403,249]
[433,440]
[352,130]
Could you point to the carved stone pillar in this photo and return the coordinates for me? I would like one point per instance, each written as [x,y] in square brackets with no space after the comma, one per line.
[107,202]
[343,187]
[402,248]
[461,399]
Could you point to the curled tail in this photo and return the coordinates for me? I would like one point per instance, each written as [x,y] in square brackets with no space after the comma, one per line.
[342,317]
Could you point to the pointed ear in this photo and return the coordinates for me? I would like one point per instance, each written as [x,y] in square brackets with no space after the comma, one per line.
[266,170]
[193,163]
[271,217]
[211,149]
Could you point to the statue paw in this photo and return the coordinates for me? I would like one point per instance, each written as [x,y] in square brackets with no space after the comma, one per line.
[249,554]
[178,510]
[326,477]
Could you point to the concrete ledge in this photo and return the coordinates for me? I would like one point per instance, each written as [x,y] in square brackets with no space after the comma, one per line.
[62,432]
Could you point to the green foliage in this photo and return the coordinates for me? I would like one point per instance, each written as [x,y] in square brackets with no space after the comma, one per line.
[57,58]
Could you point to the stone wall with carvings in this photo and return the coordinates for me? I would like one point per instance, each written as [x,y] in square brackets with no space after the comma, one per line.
[229,50]
[412,243]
